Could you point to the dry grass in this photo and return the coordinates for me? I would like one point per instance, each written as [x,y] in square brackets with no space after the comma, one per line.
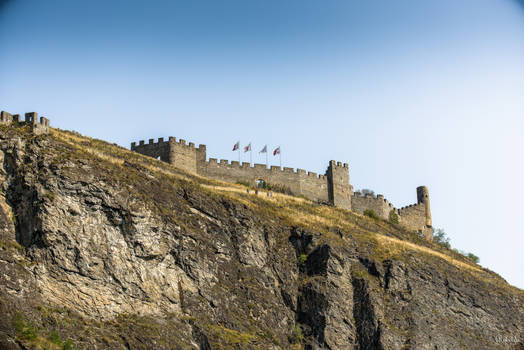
[275,197]
[77,143]
[395,246]
[109,151]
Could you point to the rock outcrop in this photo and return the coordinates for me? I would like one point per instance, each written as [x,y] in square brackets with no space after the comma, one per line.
[103,248]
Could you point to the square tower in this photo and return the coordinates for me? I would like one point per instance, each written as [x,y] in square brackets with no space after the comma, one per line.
[339,189]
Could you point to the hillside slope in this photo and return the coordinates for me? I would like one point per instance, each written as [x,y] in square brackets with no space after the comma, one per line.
[104,248]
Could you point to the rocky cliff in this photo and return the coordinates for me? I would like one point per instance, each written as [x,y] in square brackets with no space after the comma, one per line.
[104,248]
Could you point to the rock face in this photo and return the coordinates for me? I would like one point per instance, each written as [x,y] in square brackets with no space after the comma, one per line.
[101,248]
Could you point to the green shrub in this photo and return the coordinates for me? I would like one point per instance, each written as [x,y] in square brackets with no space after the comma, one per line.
[24,330]
[54,337]
[296,336]
[301,260]
[473,257]
[244,183]
[393,217]
[371,214]
[68,345]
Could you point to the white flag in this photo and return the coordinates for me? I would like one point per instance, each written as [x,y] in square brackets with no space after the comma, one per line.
[264,150]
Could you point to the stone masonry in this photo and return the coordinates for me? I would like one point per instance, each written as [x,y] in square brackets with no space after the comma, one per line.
[332,188]
[31,119]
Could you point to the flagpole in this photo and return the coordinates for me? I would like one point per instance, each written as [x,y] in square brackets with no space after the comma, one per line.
[266,160]
[239,154]
[280,156]
[250,155]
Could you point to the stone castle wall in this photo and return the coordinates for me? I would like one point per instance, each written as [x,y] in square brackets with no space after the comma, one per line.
[182,155]
[159,150]
[299,182]
[186,156]
[31,119]
[414,217]
[333,187]
[379,204]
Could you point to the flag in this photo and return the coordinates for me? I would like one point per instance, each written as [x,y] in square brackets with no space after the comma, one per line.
[276,151]
[236,146]
[264,150]
[247,148]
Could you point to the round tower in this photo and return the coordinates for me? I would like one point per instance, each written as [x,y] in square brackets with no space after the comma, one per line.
[423,197]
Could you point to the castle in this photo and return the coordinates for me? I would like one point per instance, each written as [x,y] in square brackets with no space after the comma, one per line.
[333,187]
[31,119]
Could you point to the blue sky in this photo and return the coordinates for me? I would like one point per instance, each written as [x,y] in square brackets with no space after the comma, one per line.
[408,93]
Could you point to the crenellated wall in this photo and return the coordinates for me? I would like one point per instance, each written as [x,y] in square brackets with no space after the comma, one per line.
[182,155]
[414,217]
[159,150]
[300,182]
[333,187]
[380,205]
[31,119]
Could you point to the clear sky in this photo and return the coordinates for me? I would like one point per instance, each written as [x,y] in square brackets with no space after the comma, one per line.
[408,93]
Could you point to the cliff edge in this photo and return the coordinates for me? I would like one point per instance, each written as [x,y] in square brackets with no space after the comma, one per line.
[101,247]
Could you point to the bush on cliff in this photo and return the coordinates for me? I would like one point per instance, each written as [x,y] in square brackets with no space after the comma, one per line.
[370,213]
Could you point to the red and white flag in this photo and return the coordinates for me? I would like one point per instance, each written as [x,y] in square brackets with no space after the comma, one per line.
[247,148]
[276,151]
[236,146]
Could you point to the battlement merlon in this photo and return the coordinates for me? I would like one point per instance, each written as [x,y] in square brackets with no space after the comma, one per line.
[5,117]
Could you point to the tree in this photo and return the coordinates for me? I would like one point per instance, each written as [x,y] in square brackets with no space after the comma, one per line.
[440,236]
[393,217]
[366,191]
[474,257]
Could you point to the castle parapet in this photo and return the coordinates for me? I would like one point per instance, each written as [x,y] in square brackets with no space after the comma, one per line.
[360,202]
[31,118]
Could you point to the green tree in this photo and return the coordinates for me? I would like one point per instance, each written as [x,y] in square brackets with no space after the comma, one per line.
[473,257]
[393,217]
[440,236]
